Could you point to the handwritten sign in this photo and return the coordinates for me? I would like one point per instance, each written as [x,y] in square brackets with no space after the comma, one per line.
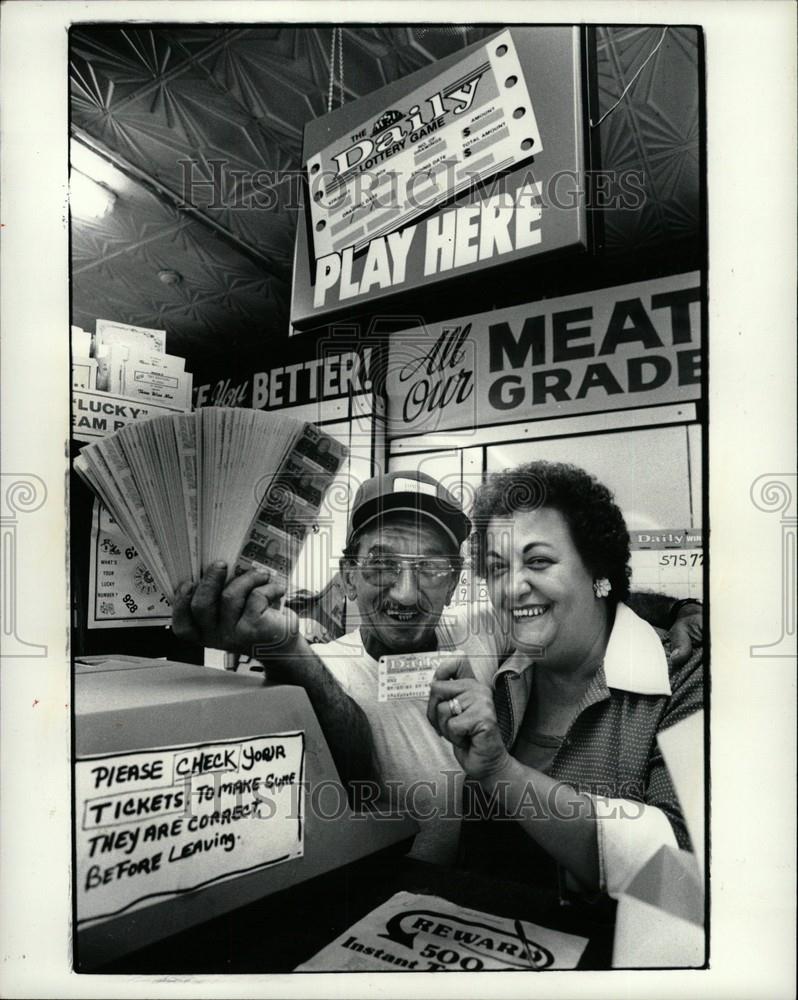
[152,824]
[429,934]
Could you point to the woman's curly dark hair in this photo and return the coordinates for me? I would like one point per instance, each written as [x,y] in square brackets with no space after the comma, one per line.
[596,523]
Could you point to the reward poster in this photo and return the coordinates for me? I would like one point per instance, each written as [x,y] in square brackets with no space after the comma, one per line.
[429,934]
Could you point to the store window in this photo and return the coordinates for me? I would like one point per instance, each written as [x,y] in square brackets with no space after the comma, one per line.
[647,470]
[654,472]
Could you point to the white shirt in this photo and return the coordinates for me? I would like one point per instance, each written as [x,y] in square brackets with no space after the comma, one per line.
[419,770]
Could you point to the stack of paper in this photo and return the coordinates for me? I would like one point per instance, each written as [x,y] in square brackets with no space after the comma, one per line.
[84,367]
[236,485]
[132,362]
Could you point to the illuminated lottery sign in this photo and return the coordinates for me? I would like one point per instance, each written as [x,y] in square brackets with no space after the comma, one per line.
[464,127]
[473,162]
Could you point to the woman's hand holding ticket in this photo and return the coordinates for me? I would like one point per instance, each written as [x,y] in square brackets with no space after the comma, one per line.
[473,730]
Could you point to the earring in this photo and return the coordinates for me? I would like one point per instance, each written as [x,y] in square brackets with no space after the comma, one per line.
[602,587]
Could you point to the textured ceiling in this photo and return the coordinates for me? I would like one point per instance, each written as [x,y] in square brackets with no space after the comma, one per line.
[654,130]
[225,108]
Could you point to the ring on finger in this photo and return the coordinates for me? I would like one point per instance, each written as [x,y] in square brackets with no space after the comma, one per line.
[455,707]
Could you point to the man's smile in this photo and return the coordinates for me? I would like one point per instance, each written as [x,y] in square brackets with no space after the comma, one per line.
[404,616]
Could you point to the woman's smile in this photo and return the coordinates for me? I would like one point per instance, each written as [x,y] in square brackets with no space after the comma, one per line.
[533,625]
[530,611]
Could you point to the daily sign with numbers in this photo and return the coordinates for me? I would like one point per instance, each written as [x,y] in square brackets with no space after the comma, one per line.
[668,561]
[467,125]
[473,162]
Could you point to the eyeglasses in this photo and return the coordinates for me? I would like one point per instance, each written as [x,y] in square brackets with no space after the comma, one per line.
[384,571]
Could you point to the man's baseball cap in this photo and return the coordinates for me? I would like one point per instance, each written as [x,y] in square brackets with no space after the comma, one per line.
[413,492]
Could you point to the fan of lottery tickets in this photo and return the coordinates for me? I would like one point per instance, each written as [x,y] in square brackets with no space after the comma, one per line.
[236,485]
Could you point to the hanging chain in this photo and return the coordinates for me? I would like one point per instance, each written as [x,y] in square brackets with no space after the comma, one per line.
[340,35]
[332,70]
[341,62]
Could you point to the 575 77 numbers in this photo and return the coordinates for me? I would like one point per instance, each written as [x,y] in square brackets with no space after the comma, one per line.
[682,559]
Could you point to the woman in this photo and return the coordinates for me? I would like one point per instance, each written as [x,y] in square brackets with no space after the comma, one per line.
[565,741]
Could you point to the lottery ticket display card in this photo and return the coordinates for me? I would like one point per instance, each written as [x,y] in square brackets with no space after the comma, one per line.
[465,126]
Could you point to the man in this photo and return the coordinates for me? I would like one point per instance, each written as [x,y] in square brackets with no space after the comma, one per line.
[400,567]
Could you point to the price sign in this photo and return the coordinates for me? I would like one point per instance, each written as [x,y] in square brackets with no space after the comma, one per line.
[669,561]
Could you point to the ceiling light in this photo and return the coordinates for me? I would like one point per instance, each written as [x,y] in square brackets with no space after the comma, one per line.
[87,198]
[169,277]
